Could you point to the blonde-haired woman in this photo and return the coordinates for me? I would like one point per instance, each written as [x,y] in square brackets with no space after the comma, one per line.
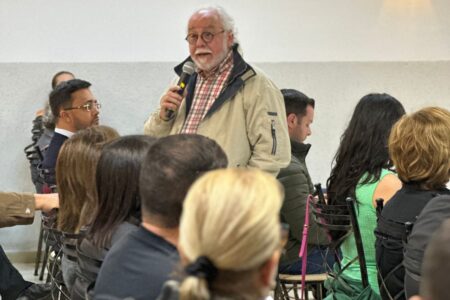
[229,236]
[419,146]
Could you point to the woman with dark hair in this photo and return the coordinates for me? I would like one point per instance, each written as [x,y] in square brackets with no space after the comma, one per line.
[118,206]
[361,170]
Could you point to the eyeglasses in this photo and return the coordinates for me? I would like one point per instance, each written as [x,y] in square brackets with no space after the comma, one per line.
[206,37]
[88,106]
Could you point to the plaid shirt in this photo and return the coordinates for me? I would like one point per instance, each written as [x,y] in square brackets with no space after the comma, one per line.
[207,89]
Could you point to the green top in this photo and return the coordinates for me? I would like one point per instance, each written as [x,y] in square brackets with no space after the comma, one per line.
[367,220]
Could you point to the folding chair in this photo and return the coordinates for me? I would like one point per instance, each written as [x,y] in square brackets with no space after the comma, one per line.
[393,237]
[289,283]
[343,219]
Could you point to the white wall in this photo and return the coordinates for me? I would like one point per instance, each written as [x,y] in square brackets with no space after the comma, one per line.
[270,31]
[333,50]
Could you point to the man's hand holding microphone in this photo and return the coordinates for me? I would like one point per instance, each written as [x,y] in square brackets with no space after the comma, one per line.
[171,100]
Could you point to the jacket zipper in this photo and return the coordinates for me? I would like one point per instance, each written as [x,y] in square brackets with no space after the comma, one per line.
[274,138]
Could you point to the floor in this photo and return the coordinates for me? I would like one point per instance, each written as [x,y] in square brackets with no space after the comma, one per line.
[27,271]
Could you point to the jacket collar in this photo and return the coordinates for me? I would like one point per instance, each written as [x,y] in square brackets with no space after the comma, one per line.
[240,73]
[299,150]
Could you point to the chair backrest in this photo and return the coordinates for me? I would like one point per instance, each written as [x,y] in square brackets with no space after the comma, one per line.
[342,218]
[358,241]
[380,205]
[391,237]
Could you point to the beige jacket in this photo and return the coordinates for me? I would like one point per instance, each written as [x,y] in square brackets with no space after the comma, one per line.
[248,120]
[16,209]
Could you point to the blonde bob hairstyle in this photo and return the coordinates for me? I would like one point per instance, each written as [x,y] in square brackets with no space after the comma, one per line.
[75,176]
[419,146]
[231,216]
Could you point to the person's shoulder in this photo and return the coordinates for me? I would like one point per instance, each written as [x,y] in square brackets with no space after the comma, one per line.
[439,205]
[257,73]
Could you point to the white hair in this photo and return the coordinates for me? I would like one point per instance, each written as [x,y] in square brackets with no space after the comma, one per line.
[225,18]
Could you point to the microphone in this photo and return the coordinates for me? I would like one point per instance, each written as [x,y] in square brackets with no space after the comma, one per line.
[188,70]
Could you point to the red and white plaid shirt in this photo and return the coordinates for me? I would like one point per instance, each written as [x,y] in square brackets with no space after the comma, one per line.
[207,89]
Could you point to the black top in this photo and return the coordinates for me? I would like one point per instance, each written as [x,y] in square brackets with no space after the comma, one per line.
[136,266]
[404,206]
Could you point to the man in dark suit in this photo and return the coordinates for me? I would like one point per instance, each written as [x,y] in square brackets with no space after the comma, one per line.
[74,108]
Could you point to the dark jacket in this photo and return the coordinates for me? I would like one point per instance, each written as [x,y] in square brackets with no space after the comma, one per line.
[90,259]
[298,185]
[430,219]
[50,157]
[403,207]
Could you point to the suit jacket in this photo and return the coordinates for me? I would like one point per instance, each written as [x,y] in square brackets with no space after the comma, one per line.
[50,157]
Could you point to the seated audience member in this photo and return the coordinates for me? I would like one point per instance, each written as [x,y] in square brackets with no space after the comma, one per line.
[297,186]
[42,133]
[118,209]
[419,146]
[229,237]
[139,264]
[436,263]
[18,209]
[74,108]
[75,174]
[432,216]
[362,171]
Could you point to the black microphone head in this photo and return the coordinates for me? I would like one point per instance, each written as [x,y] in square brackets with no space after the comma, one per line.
[189,67]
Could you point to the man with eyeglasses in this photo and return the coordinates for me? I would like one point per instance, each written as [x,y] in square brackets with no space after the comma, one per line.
[226,99]
[74,108]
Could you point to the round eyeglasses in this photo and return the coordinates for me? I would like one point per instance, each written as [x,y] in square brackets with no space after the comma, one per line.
[206,36]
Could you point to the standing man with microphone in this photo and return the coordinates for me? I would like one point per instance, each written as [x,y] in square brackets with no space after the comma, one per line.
[225,98]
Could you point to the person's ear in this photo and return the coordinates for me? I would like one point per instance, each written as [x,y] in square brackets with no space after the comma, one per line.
[65,116]
[292,120]
[230,39]
[269,269]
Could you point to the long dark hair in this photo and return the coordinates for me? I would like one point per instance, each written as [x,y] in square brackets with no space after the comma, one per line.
[363,148]
[117,181]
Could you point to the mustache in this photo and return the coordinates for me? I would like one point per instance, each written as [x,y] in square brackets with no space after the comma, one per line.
[197,52]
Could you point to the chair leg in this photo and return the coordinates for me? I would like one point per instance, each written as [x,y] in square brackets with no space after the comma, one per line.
[39,251]
[320,293]
[296,291]
[284,291]
[44,262]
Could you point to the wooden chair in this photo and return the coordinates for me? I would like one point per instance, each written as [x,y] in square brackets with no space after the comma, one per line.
[290,284]
[287,284]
